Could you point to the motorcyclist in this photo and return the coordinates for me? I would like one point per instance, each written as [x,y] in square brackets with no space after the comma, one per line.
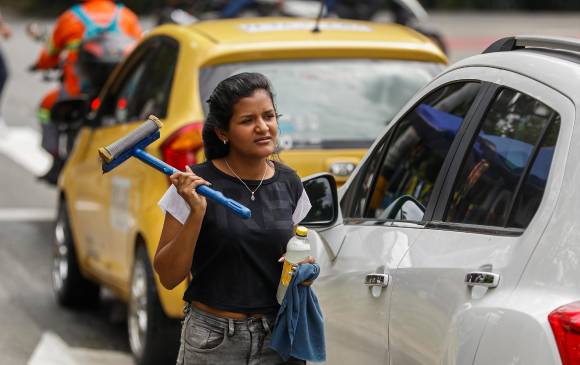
[62,52]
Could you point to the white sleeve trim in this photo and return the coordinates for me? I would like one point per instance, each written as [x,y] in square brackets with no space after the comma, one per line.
[171,202]
[302,208]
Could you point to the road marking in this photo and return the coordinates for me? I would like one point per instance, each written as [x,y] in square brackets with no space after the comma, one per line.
[52,350]
[22,145]
[27,215]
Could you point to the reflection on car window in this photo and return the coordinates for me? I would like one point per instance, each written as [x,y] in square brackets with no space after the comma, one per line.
[499,158]
[109,112]
[332,103]
[530,195]
[151,95]
[415,154]
[145,89]
[127,92]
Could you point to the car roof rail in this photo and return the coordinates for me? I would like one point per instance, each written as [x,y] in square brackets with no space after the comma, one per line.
[519,42]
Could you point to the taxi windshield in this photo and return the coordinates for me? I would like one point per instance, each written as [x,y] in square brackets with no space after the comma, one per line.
[331,103]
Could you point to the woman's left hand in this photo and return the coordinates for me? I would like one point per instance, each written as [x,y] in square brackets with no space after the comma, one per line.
[309,260]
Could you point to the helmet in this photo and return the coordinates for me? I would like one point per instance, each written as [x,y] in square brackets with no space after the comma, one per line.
[98,56]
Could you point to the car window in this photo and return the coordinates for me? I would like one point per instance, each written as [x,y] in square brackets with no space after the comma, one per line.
[149,95]
[130,77]
[145,87]
[511,154]
[331,103]
[121,110]
[401,186]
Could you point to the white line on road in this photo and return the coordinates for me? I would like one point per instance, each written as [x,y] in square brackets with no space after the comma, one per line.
[22,145]
[52,350]
[26,215]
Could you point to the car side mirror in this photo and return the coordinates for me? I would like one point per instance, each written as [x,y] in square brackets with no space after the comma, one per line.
[321,190]
[405,208]
[69,111]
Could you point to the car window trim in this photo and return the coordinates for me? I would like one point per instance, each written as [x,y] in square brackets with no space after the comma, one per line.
[487,94]
[384,222]
[472,114]
[475,228]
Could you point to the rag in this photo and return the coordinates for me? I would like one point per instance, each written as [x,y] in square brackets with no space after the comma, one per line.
[299,327]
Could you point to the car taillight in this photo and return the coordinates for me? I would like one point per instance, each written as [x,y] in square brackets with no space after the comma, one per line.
[181,147]
[565,322]
[95,104]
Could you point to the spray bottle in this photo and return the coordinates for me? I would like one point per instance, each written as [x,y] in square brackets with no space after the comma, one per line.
[297,250]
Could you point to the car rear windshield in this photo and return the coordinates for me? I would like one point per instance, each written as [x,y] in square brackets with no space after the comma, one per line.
[331,103]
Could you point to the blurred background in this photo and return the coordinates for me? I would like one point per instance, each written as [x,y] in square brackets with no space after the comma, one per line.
[148,6]
[29,315]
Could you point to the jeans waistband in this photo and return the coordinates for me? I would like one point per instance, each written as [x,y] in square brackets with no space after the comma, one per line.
[266,321]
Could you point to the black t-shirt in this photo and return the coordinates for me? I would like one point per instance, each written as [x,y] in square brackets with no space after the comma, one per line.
[235,265]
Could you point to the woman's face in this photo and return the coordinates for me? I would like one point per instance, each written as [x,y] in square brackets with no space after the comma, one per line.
[253,127]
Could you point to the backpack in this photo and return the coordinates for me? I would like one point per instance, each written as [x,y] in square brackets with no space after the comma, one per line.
[100,50]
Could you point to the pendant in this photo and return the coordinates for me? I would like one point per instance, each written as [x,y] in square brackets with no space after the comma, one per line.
[252,197]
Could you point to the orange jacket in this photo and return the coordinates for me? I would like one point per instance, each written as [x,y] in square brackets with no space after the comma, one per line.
[68,32]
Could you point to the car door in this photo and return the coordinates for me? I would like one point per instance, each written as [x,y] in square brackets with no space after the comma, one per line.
[491,212]
[384,210]
[141,87]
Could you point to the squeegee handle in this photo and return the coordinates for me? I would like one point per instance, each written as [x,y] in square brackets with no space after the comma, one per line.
[217,196]
[204,190]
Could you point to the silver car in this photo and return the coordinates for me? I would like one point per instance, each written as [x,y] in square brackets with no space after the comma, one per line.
[457,240]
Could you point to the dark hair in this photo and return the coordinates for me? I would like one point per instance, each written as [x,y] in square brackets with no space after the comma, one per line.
[221,106]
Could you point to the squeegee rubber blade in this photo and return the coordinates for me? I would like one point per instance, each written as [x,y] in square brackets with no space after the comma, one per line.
[147,128]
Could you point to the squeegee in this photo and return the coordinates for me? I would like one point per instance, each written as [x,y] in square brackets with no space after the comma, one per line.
[134,144]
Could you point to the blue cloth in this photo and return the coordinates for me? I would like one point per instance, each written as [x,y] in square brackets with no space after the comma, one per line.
[299,328]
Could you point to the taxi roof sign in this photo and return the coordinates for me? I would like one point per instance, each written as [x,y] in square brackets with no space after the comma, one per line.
[303,25]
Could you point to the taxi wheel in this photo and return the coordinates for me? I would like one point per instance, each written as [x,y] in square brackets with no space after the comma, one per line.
[153,337]
[69,285]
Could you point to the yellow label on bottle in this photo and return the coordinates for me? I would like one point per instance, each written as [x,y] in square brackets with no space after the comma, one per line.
[286,273]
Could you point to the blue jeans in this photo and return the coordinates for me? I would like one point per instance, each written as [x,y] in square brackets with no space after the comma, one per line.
[207,339]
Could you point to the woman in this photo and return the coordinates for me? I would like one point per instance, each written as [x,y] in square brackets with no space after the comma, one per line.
[233,262]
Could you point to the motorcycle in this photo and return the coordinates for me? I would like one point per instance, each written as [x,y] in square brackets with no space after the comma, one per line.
[62,116]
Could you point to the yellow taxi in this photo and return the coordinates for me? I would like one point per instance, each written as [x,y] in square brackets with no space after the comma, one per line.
[336,89]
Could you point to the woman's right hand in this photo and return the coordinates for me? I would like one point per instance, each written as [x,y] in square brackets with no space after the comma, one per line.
[186,183]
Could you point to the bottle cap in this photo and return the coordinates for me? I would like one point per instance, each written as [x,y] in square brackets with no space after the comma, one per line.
[301,231]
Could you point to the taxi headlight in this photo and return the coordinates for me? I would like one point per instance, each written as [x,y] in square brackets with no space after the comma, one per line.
[342,168]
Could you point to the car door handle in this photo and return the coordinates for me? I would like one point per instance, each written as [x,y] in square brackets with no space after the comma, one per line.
[380,280]
[480,278]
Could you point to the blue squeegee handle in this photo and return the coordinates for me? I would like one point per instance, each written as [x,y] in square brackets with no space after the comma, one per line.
[204,190]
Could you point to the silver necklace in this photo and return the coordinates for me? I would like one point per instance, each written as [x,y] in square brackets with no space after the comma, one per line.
[247,187]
